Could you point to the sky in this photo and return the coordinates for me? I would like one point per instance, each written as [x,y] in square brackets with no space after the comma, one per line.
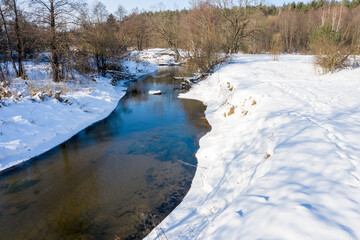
[112,5]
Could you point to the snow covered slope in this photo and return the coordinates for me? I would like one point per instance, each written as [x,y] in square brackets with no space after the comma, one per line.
[282,160]
[29,128]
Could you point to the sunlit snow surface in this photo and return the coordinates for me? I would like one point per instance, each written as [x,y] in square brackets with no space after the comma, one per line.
[283,158]
[29,128]
[155,92]
[158,56]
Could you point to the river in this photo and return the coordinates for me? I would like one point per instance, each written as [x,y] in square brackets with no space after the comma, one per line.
[116,179]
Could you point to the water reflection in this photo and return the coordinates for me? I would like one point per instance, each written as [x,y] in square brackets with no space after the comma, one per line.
[117,178]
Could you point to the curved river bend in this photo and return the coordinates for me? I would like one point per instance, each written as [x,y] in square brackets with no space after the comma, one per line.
[116,179]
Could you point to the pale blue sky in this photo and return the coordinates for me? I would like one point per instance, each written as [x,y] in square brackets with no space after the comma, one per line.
[154,4]
[143,4]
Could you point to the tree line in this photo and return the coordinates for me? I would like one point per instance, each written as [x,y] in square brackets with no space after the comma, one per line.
[74,37]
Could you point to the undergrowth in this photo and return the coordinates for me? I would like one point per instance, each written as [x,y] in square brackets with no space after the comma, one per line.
[15,89]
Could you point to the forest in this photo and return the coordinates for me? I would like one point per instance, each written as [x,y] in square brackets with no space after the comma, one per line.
[74,37]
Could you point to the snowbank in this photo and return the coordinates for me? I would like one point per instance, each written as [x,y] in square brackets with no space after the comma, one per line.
[158,56]
[139,68]
[29,128]
[282,160]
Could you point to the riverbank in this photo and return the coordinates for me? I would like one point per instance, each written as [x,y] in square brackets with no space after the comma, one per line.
[282,158]
[30,126]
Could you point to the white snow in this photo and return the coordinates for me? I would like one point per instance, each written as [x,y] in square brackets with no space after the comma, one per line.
[158,56]
[282,160]
[155,92]
[137,68]
[29,128]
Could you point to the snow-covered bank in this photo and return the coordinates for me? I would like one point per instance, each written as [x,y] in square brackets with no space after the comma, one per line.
[30,126]
[282,160]
[158,56]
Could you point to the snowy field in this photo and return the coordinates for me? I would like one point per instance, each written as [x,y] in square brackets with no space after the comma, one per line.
[282,160]
[30,126]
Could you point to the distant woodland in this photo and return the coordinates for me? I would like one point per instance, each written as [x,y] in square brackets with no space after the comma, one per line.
[75,37]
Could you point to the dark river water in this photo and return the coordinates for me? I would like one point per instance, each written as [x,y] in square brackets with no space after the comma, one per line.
[116,179]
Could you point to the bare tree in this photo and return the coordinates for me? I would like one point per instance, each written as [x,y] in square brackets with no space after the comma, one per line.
[137,27]
[101,40]
[121,13]
[8,42]
[237,16]
[203,37]
[99,13]
[15,13]
[167,24]
[56,15]
[19,42]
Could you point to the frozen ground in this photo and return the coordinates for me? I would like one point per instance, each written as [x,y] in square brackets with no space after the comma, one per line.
[30,126]
[282,160]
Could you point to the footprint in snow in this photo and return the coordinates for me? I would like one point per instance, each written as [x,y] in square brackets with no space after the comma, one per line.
[308,206]
[240,212]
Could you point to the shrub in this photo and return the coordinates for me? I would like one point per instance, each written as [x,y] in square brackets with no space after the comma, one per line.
[330,50]
[276,46]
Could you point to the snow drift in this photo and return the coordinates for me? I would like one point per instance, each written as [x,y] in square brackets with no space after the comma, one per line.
[282,160]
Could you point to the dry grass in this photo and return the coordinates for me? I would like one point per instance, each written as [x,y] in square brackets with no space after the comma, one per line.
[44,89]
[243,107]
[50,88]
[232,111]
[230,87]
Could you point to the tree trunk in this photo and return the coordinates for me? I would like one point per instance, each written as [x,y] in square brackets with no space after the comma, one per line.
[103,65]
[139,42]
[98,64]
[53,44]
[177,54]
[19,45]
[8,43]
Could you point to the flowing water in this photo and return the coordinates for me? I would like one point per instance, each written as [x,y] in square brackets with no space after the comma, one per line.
[116,179]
